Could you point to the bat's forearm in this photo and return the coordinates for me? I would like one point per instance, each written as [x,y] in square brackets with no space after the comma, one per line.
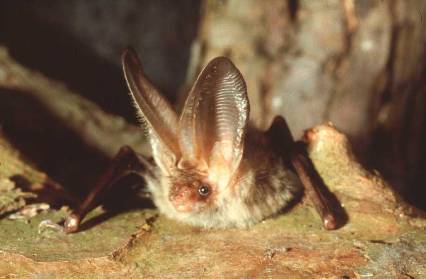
[314,186]
[126,161]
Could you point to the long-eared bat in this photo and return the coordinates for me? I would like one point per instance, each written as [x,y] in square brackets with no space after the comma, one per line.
[211,167]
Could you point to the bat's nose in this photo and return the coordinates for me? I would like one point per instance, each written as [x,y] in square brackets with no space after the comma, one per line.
[183,200]
[183,207]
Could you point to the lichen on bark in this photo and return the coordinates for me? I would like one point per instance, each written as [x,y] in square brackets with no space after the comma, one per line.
[293,55]
[11,198]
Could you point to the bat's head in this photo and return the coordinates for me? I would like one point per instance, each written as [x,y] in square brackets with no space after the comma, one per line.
[191,192]
[198,152]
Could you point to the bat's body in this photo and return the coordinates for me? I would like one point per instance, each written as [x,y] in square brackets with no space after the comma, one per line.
[211,168]
[214,171]
[261,187]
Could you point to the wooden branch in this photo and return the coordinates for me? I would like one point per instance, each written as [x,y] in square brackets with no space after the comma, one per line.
[103,131]
[33,184]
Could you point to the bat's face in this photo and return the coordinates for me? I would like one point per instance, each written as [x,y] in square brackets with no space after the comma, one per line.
[199,153]
[191,192]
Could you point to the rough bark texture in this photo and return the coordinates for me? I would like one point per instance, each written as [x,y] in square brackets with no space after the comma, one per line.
[20,181]
[379,240]
[358,64]
[94,126]
[66,135]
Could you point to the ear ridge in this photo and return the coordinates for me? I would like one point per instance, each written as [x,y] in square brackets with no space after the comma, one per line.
[228,109]
[215,114]
[155,111]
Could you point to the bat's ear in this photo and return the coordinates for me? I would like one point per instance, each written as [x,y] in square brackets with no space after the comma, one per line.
[215,116]
[160,119]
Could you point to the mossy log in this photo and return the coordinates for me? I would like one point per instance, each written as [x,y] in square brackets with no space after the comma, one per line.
[382,238]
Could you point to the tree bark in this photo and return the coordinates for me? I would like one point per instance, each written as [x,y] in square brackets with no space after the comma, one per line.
[358,64]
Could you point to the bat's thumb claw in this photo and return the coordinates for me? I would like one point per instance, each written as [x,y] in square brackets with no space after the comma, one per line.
[330,222]
[72,223]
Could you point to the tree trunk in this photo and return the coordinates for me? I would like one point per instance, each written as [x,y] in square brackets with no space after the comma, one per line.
[358,64]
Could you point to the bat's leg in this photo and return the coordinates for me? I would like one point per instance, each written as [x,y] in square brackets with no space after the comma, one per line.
[314,186]
[126,161]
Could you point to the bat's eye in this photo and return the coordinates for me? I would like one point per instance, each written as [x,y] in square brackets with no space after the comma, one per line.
[204,190]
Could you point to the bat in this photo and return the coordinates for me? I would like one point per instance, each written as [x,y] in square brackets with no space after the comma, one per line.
[211,168]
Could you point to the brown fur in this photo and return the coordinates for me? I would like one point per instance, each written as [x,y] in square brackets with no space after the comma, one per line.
[263,185]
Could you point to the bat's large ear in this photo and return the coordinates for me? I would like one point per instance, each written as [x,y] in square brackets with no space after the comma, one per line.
[154,110]
[215,116]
